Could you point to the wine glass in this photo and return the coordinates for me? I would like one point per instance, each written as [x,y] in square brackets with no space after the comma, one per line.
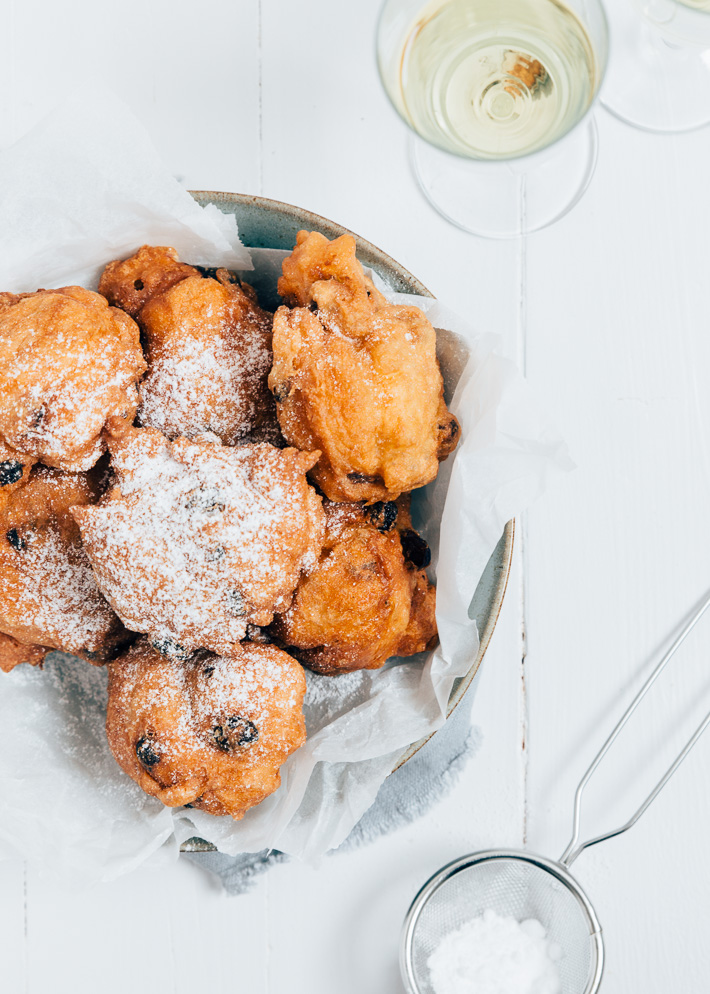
[659,73]
[498,95]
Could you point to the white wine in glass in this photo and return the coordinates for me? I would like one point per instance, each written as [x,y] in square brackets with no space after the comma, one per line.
[480,81]
[496,78]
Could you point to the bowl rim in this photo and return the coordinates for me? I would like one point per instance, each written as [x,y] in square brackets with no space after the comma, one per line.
[304,217]
[459,689]
[372,253]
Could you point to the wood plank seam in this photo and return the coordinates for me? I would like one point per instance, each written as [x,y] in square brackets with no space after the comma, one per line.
[524,704]
[260,62]
[521,348]
[25,942]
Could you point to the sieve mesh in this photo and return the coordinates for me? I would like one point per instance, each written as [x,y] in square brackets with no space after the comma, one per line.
[515,886]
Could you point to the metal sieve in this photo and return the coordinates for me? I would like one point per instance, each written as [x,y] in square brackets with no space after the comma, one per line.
[522,885]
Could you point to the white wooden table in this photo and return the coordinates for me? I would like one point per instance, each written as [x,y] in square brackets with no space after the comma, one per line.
[609,314]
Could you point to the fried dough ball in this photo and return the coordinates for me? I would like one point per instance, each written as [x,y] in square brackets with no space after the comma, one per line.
[211,732]
[48,594]
[68,362]
[367,599]
[356,377]
[131,283]
[13,653]
[208,346]
[197,540]
[209,356]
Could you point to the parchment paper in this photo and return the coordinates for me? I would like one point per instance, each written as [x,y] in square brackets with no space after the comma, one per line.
[72,199]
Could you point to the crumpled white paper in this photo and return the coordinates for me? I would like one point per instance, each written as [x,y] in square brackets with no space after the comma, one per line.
[84,187]
[69,203]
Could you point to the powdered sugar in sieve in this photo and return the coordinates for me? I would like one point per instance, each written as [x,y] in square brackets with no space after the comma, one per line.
[521,886]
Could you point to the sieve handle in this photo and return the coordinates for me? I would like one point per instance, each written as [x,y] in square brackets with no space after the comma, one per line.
[575,847]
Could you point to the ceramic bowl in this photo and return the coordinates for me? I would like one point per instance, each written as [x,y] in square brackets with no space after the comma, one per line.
[271,224]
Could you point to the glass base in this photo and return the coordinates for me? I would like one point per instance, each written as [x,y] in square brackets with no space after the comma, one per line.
[653,81]
[507,199]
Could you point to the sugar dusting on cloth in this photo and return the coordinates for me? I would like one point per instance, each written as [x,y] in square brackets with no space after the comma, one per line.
[492,954]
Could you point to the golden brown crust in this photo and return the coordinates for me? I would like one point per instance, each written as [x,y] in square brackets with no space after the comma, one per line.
[364,601]
[209,355]
[67,363]
[315,259]
[48,594]
[356,377]
[421,632]
[211,732]
[208,347]
[14,653]
[131,283]
[196,539]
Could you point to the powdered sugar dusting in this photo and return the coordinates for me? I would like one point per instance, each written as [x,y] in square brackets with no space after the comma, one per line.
[203,389]
[198,539]
[48,592]
[329,697]
[67,363]
[209,356]
[58,591]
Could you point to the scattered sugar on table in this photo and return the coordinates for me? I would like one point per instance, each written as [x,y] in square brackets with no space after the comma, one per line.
[492,954]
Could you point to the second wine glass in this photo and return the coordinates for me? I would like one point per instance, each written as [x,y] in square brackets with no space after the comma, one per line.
[498,94]
[659,73]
